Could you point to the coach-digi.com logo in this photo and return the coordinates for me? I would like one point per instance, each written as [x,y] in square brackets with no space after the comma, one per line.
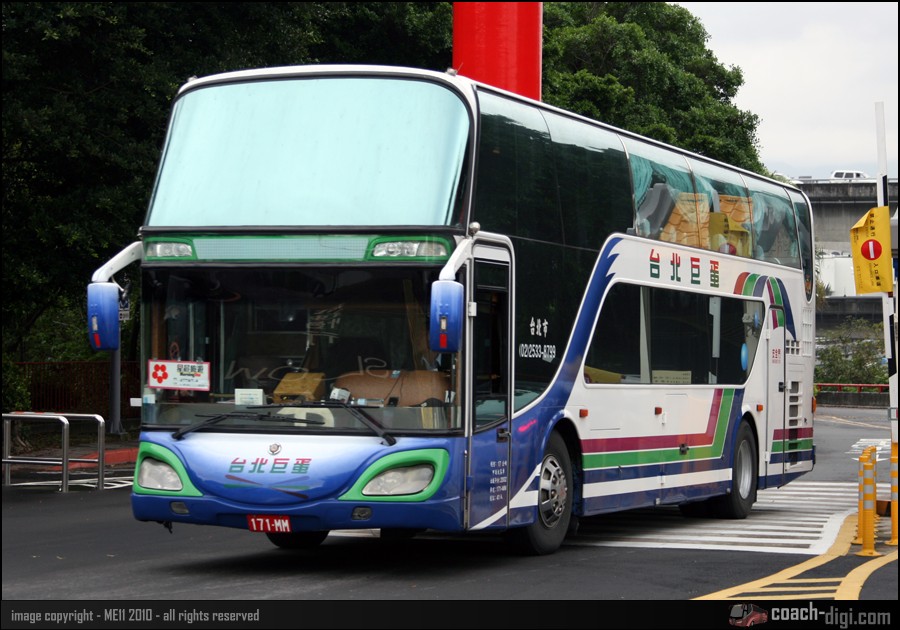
[746,615]
[832,616]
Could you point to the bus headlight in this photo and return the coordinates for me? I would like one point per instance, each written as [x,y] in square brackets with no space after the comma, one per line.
[157,475]
[400,481]
[409,249]
[167,249]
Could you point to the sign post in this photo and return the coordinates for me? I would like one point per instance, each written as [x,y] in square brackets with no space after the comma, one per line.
[873,269]
[500,43]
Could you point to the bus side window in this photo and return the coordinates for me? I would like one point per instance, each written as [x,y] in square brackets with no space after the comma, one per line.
[655,210]
[685,339]
[614,354]
[491,338]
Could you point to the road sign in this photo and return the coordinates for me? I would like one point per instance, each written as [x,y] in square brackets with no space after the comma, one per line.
[870,241]
[871,249]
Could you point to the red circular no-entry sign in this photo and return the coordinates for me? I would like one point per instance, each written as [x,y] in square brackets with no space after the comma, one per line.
[871,249]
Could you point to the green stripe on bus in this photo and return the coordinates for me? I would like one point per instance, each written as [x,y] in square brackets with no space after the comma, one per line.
[750,284]
[786,446]
[668,455]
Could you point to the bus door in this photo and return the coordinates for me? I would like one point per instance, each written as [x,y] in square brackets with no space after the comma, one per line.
[777,400]
[796,393]
[490,384]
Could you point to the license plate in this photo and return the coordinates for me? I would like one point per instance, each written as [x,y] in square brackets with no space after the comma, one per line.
[267,523]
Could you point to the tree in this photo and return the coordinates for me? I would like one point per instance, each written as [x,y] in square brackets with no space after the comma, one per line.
[16,396]
[645,67]
[852,353]
[87,88]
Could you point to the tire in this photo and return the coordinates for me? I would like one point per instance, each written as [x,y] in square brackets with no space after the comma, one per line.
[554,510]
[744,478]
[298,540]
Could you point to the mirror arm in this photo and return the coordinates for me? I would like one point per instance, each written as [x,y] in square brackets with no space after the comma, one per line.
[117,263]
[457,258]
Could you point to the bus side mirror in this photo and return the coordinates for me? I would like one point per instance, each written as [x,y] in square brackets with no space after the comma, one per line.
[447,311]
[103,315]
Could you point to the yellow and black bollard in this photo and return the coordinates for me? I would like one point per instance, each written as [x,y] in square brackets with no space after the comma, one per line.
[868,512]
[863,458]
[893,540]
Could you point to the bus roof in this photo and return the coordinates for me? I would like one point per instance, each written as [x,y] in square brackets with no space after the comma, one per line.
[463,85]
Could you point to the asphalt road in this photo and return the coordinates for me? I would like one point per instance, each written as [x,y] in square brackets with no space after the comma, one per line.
[85,547]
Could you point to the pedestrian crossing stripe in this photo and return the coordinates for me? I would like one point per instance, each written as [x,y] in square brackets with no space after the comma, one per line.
[801,518]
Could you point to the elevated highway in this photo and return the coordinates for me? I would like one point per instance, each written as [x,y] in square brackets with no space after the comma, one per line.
[838,205]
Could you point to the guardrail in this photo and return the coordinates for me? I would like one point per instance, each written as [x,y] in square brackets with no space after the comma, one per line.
[799,181]
[857,387]
[65,460]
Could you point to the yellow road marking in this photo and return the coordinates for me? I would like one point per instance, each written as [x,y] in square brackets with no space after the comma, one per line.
[787,585]
[853,583]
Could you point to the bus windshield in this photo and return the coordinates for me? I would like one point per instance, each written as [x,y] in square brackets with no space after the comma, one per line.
[314,152]
[287,349]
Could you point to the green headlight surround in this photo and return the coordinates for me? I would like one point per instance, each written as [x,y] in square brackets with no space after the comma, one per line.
[436,457]
[155,451]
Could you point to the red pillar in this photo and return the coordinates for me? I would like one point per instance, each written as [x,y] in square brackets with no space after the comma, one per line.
[499,43]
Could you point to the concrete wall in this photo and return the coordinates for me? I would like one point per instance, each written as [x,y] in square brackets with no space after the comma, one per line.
[854,399]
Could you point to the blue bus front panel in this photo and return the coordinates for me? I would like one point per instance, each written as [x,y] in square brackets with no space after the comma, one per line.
[319,482]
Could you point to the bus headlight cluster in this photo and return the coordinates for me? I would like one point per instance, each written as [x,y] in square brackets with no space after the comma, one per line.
[163,249]
[400,481]
[396,249]
[156,475]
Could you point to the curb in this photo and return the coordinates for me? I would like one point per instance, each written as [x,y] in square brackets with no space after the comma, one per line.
[111,457]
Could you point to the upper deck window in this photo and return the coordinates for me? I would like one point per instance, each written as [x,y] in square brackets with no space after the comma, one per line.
[335,151]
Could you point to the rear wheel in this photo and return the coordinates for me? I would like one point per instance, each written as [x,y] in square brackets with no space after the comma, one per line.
[298,540]
[738,503]
[549,530]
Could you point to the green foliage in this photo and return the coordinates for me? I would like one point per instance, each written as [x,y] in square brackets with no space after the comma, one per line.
[416,34]
[87,88]
[852,353]
[16,396]
[644,67]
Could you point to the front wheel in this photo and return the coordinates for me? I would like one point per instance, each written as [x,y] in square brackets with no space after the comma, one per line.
[549,530]
[738,502]
[298,540]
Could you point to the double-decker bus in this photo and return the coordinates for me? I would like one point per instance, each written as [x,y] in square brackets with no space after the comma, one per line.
[396,299]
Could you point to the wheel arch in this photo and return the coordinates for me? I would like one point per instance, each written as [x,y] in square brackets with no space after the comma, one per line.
[752,422]
[569,433]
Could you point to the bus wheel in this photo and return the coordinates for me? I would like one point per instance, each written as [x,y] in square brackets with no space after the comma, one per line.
[298,540]
[737,504]
[549,530]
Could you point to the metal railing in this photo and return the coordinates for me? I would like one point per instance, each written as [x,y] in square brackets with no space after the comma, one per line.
[857,387]
[64,460]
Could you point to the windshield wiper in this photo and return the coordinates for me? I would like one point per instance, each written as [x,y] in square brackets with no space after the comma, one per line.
[250,415]
[366,419]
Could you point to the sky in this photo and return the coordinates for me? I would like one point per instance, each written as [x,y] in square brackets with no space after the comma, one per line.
[813,73]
